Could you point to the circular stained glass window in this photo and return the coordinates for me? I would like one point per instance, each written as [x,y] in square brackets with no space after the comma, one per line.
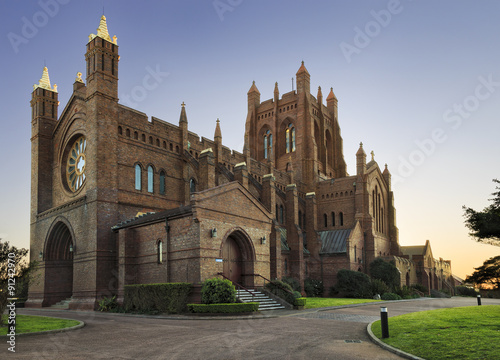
[75,168]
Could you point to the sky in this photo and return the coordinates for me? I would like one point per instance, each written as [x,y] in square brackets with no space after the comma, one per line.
[418,82]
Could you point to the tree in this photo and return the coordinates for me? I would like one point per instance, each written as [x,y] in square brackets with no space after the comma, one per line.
[15,273]
[487,274]
[484,225]
[385,271]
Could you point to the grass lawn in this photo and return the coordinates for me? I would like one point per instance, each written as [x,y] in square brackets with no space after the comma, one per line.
[456,333]
[27,324]
[313,303]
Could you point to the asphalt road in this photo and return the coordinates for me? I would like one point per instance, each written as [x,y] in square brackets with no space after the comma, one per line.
[327,334]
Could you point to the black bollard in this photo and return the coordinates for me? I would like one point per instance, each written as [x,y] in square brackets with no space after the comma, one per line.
[478,300]
[384,322]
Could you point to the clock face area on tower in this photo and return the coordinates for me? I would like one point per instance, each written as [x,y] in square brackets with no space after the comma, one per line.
[75,166]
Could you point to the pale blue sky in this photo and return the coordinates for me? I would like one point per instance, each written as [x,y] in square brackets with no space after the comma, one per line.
[429,69]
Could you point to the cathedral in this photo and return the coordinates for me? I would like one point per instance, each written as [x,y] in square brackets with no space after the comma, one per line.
[118,198]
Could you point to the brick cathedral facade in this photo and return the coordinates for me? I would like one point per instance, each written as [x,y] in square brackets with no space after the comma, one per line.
[119,199]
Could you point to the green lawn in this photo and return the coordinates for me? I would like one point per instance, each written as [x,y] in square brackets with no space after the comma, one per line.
[26,324]
[456,333]
[313,303]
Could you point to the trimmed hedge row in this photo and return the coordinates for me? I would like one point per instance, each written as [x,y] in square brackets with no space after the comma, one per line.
[300,301]
[163,298]
[223,308]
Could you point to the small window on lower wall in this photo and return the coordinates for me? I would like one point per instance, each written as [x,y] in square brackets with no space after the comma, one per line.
[159,251]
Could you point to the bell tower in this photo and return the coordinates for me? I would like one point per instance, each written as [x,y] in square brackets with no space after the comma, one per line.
[44,106]
[102,63]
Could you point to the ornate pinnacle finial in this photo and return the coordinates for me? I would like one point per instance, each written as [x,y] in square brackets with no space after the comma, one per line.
[44,82]
[183,104]
[360,144]
[373,155]
[79,77]
[102,31]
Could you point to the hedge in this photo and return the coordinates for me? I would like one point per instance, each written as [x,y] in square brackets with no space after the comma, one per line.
[300,301]
[223,308]
[277,288]
[163,298]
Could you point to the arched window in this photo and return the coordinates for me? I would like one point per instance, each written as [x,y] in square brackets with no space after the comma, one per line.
[136,135]
[290,138]
[268,144]
[138,183]
[325,218]
[143,138]
[300,219]
[277,216]
[162,182]
[119,130]
[282,216]
[341,218]
[127,132]
[192,185]
[333,219]
[355,254]
[159,251]
[150,178]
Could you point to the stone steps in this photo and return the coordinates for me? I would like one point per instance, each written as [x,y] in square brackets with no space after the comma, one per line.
[265,303]
[63,304]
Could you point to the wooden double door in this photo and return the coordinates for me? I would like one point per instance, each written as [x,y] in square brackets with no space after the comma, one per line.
[232,260]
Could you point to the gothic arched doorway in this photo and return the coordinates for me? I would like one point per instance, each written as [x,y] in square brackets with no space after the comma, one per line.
[238,258]
[58,256]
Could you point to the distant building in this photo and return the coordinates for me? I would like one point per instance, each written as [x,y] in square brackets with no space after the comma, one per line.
[119,199]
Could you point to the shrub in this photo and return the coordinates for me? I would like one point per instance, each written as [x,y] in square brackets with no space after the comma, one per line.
[218,291]
[404,291]
[420,288]
[439,294]
[379,287]
[165,298]
[300,301]
[3,305]
[332,291]
[283,290]
[353,284]
[390,296]
[294,283]
[108,304]
[465,291]
[313,288]
[223,308]
[385,271]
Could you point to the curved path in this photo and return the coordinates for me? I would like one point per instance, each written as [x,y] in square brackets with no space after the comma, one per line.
[334,333]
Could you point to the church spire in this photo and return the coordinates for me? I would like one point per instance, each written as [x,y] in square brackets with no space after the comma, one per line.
[102,32]
[44,82]
[183,117]
[218,133]
[319,96]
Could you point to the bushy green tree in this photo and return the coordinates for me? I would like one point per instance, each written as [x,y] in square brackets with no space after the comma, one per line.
[487,274]
[14,265]
[353,284]
[385,271]
[484,225]
[313,288]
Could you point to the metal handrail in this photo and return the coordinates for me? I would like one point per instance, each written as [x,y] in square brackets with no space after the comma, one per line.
[237,285]
[281,287]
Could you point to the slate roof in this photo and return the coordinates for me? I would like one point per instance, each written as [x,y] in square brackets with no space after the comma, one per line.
[334,241]
[152,217]
[284,243]
[413,250]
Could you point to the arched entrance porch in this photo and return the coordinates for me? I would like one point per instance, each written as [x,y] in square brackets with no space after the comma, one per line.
[58,257]
[238,257]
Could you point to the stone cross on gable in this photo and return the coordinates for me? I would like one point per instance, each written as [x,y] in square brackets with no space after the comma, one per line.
[373,155]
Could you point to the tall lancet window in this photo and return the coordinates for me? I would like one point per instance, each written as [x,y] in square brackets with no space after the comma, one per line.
[290,138]
[150,178]
[138,177]
[268,144]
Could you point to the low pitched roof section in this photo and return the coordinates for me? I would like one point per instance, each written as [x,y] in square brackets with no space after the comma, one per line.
[153,217]
[334,241]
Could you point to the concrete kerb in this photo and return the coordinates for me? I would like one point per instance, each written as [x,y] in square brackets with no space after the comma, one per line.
[80,325]
[384,346]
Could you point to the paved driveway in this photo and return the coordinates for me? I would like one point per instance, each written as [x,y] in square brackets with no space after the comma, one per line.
[331,334]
